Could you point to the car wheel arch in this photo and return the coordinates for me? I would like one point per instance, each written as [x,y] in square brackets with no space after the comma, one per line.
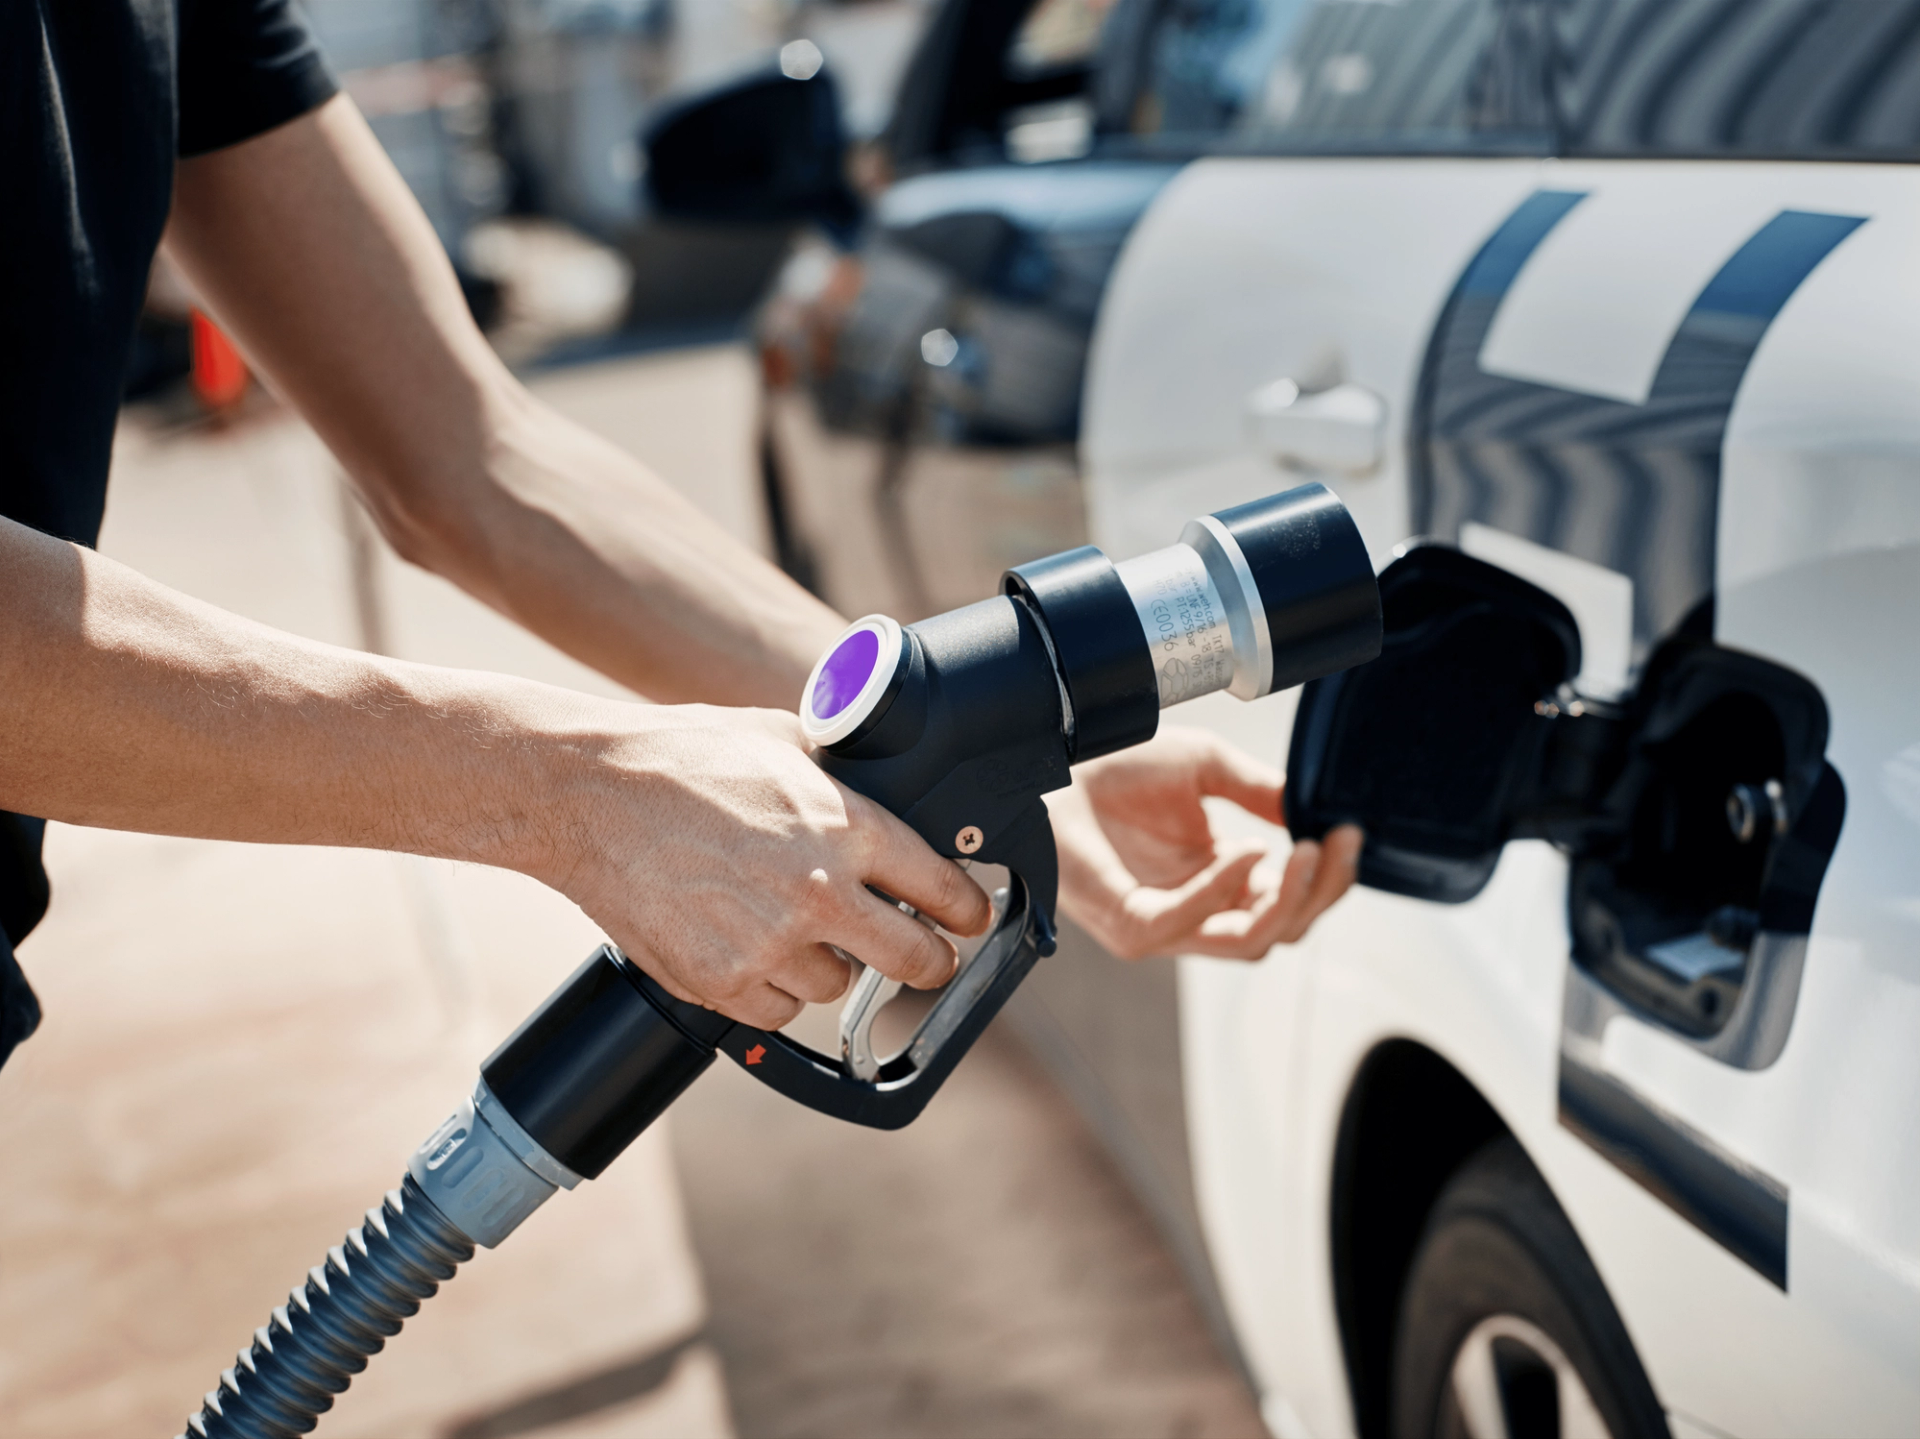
[1409,1121]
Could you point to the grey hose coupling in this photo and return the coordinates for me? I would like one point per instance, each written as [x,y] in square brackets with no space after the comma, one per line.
[484,1172]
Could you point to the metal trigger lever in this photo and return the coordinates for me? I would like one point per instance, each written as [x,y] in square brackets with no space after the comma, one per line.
[871,993]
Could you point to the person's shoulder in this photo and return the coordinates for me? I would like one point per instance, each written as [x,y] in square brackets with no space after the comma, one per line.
[246,67]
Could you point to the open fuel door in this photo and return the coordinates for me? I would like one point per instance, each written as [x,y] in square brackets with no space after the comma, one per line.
[1698,813]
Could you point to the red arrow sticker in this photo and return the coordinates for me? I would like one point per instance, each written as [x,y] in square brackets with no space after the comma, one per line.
[756,1054]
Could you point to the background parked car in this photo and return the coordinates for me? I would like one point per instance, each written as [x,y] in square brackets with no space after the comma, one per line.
[923,401]
[1596,1111]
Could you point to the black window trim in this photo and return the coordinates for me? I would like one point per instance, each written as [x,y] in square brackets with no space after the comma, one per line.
[1124,54]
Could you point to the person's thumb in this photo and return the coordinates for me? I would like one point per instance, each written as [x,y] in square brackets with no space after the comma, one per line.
[1231,773]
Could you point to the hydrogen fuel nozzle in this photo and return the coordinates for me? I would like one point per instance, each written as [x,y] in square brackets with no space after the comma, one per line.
[958,724]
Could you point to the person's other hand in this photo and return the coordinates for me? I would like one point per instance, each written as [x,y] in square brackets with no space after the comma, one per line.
[1143,872]
[712,850]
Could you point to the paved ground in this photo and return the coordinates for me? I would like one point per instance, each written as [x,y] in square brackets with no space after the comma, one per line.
[243,1042]
[981,1274]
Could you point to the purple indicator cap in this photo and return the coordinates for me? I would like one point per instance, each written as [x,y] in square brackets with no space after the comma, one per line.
[845,673]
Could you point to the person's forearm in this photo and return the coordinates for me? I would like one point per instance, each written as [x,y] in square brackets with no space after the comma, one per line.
[308,246]
[125,705]
[704,841]
[574,539]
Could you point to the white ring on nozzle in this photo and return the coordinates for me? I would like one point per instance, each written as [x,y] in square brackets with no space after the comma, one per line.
[886,664]
[1246,620]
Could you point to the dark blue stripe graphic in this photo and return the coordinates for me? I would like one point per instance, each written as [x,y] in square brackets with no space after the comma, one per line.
[1734,1204]
[1632,487]
[1501,259]
[1767,269]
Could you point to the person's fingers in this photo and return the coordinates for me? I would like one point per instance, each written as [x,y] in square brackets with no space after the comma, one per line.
[1275,919]
[903,865]
[1339,867]
[815,974]
[765,1006]
[762,1004]
[662,976]
[1317,874]
[1296,883]
[884,936]
[1292,911]
[1156,921]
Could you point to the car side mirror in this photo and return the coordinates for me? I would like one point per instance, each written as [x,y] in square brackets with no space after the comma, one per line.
[761,149]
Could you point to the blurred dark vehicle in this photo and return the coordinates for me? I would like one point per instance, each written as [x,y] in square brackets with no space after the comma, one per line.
[576,82]
[731,173]
[767,150]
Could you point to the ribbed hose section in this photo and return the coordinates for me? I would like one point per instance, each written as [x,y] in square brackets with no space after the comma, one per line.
[348,1308]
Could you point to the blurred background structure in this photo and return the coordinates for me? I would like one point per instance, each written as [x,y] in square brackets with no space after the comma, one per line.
[518,124]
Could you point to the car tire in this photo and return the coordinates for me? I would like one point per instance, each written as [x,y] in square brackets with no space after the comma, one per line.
[1505,1329]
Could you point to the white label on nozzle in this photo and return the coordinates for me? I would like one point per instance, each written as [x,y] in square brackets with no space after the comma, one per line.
[1185,622]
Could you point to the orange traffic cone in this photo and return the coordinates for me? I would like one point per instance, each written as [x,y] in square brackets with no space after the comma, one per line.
[219,372]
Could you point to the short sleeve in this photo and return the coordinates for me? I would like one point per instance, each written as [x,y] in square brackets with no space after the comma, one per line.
[245,66]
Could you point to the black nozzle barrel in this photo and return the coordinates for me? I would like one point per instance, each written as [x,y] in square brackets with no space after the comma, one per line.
[1104,668]
[1315,583]
[1253,599]
[600,1061]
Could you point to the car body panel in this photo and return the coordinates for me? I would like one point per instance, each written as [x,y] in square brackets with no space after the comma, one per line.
[1341,269]
[1304,270]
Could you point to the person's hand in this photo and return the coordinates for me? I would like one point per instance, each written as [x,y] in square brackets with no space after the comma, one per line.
[1143,872]
[723,861]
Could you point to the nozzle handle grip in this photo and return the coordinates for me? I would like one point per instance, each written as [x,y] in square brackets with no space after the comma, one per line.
[1022,934]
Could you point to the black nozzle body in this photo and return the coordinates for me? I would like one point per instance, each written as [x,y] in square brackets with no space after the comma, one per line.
[974,734]
[988,706]
[1105,665]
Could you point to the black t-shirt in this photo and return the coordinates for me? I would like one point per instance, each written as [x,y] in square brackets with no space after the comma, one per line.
[97,98]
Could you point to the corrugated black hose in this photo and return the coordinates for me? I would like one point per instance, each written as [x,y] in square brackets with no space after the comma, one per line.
[349,1307]
[570,1089]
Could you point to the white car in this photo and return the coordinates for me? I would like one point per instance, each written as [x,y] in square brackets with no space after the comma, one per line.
[1598,1109]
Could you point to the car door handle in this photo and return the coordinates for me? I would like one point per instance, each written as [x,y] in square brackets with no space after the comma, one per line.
[1342,429]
